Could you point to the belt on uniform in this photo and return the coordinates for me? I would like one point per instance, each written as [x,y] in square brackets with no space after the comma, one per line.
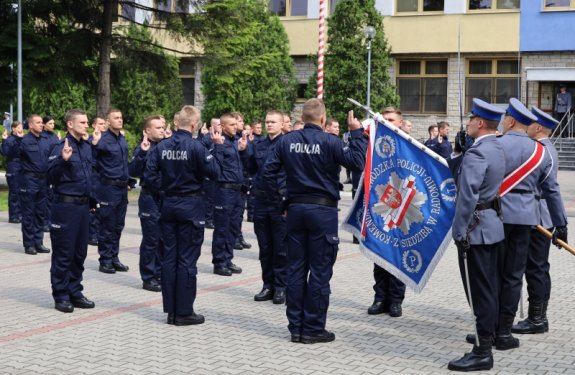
[259,194]
[196,193]
[225,185]
[119,183]
[486,206]
[322,201]
[63,198]
[147,191]
[35,175]
[520,191]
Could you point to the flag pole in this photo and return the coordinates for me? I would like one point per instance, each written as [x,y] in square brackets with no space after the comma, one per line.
[321,47]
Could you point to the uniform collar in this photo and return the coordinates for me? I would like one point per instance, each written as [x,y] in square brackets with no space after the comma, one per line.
[310,125]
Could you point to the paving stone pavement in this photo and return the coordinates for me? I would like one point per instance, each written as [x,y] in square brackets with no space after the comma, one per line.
[126,333]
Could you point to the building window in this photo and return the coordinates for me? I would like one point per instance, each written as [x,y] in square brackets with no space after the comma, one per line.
[301,89]
[422,86]
[493,4]
[187,75]
[293,8]
[495,81]
[419,6]
[558,4]
[172,6]
[129,11]
[332,4]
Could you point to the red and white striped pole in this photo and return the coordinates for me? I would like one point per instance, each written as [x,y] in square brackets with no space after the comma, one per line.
[321,47]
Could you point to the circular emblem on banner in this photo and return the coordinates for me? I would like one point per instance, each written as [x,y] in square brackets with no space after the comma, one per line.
[385,146]
[412,261]
[448,190]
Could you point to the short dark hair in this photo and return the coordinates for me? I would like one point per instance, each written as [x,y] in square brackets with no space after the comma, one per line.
[73,113]
[148,120]
[430,128]
[442,125]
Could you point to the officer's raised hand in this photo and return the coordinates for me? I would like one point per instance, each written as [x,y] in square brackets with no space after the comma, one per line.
[243,142]
[145,145]
[66,151]
[5,134]
[96,137]
[217,137]
[352,122]
[168,132]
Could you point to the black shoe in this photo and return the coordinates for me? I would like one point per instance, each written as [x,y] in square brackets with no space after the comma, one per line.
[14,221]
[107,268]
[152,285]
[222,271]
[506,342]
[534,323]
[355,241]
[395,310]
[250,219]
[295,337]
[378,307]
[118,266]
[325,336]
[93,242]
[235,269]
[188,320]
[42,249]
[83,303]
[46,229]
[472,362]
[209,225]
[171,318]
[245,245]
[30,250]
[238,246]
[64,306]
[470,339]
[279,297]
[265,295]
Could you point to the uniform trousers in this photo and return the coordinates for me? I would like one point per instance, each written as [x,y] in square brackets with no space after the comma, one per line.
[482,263]
[33,204]
[69,236]
[182,222]
[112,214]
[537,268]
[14,211]
[512,262]
[151,247]
[312,251]
[227,209]
[270,228]
[388,288]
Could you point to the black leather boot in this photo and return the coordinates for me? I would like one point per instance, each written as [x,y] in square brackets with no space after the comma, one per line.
[504,340]
[480,358]
[533,323]
[544,313]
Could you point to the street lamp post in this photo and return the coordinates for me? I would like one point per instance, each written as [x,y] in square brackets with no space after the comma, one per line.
[369,32]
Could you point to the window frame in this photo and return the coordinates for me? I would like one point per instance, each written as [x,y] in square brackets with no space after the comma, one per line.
[419,10]
[191,76]
[493,77]
[422,76]
[289,8]
[494,8]
[564,8]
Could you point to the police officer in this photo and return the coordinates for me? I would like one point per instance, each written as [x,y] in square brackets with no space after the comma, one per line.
[537,267]
[209,185]
[11,151]
[99,125]
[311,159]
[240,242]
[52,139]
[148,206]
[227,197]
[269,223]
[520,209]
[34,153]
[177,167]
[70,172]
[389,290]
[111,160]
[478,229]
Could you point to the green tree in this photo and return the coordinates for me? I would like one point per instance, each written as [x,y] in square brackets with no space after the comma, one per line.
[345,63]
[247,67]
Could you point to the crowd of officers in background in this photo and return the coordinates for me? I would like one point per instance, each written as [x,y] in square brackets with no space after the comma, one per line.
[195,177]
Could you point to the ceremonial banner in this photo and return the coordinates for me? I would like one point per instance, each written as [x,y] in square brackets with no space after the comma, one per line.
[404,207]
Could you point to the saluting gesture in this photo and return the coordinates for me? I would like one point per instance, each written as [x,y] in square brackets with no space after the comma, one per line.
[145,145]
[96,136]
[352,122]
[216,137]
[168,131]
[66,151]
[243,142]
[5,134]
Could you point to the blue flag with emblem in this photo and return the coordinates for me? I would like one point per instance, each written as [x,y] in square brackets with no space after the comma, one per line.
[404,206]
